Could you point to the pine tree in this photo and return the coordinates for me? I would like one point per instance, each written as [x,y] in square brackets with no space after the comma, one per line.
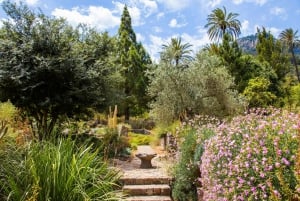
[270,50]
[133,60]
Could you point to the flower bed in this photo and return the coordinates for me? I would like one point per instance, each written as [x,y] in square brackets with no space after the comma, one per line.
[252,158]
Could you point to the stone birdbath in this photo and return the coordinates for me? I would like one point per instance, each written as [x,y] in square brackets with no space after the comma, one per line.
[145,160]
[145,153]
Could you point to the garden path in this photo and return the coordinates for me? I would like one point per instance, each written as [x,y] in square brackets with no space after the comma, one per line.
[146,184]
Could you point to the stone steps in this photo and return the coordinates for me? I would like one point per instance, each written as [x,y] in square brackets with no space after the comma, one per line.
[146,180]
[146,186]
[149,198]
[152,189]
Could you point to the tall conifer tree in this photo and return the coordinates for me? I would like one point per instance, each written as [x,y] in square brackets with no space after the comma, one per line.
[133,60]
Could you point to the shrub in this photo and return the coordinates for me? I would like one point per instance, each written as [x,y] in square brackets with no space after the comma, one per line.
[186,172]
[257,92]
[252,158]
[139,139]
[295,95]
[142,123]
[112,144]
[60,171]
[205,87]
[108,141]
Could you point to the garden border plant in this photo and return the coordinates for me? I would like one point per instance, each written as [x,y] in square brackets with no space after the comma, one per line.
[252,157]
[61,171]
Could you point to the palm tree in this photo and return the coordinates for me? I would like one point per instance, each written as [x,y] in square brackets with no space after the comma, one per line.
[219,23]
[175,52]
[212,48]
[291,40]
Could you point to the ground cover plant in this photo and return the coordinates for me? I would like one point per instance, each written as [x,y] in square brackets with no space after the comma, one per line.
[55,171]
[252,157]
[139,139]
[191,136]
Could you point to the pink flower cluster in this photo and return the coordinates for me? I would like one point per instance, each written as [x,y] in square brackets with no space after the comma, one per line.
[252,157]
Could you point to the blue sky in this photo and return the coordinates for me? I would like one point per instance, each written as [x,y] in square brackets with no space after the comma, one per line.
[156,21]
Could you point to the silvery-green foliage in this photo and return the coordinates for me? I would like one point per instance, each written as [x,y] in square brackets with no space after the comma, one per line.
[204,87]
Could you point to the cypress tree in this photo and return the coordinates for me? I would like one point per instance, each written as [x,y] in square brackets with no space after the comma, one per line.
[133,60]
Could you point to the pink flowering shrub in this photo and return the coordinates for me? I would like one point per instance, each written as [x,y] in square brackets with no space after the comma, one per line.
[252,158]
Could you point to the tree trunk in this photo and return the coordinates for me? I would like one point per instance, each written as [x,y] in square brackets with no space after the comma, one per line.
[126,106]
[126,113]
[296,67]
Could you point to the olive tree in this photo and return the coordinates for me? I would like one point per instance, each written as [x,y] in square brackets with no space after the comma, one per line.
[205,87]
[40,70]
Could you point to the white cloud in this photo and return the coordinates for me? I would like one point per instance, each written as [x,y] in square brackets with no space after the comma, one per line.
[261,2]
[214,3]
[277,11]
[175,5]
[245,27]
[160,15]
[206,5]
[98,17]
[258,2]
[135,14]
[118,7]
[281,12]
[140,37]
[157,29]
[174,24]
[237,1]
[275,31]
[104,18]
[28,2]
[134,11]
[32,2]
[147,6]
[154,47]
[198,41]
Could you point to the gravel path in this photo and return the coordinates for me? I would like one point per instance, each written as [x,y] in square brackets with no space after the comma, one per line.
[131,168]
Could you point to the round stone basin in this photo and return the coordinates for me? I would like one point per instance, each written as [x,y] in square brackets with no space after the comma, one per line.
[146,160]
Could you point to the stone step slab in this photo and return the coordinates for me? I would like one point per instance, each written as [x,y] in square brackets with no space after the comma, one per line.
[145,180]
[153,189]
[149,198]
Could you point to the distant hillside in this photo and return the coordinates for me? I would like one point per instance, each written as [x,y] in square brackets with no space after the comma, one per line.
[248,44]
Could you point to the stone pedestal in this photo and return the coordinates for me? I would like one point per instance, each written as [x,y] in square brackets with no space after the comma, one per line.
[145,160]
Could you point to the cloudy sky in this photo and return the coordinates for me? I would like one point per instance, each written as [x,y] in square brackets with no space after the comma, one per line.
[156,21]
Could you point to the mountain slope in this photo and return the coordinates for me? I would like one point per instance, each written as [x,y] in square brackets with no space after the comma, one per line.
[248,44]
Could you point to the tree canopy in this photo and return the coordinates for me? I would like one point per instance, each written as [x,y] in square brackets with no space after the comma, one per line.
[219,22]
[133,60]
[205,87]
[41,71]
[176,53]
[290,39]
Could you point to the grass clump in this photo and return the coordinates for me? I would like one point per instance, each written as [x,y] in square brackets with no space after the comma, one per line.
[56,171]
[7,113]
